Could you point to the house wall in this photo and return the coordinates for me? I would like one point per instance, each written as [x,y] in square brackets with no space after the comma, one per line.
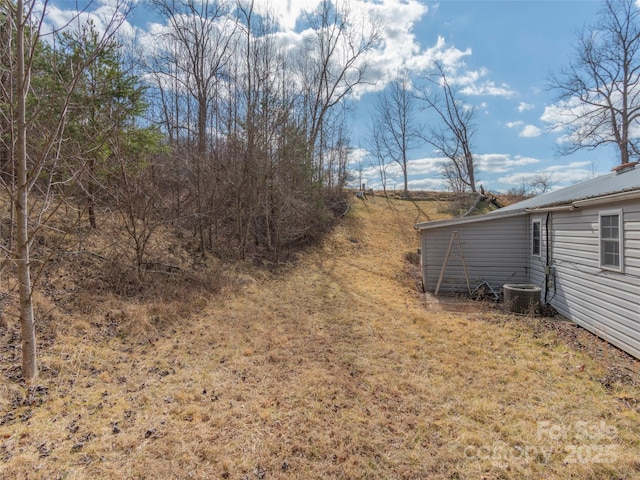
[605,302]
[493,250]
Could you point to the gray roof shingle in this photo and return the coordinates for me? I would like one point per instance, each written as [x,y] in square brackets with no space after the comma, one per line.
[611,183]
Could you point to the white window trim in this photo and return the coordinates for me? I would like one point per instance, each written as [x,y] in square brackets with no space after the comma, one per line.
[539,254]
[605,213]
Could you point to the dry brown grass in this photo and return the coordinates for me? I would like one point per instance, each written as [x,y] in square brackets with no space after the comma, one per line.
[335,368]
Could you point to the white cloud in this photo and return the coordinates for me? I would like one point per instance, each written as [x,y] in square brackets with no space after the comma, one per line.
[106,15]
[489,88]
[561,113]
[530,131]
[425,166]
[520,178]
[401,51]
[286,12]
[424,174]
[397,48]
[357,156]
[474,82]
[450,57]
[573,166]
[523,107]
[560,175]
[429,184]
[527,131]
[502,162]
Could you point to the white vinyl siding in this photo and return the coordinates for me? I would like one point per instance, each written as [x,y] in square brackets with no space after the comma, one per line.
[495,251]
[603,301]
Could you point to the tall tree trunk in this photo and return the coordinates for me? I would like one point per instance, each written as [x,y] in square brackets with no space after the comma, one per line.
[27,323]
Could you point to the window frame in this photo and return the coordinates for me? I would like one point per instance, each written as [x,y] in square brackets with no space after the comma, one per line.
[533,238]
[602,240]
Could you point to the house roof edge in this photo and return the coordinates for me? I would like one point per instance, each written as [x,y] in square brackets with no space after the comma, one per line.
[495,215]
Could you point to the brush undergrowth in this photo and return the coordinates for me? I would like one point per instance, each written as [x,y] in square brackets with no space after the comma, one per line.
[333,367]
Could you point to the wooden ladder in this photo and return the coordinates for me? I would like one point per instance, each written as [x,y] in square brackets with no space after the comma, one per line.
[454,236]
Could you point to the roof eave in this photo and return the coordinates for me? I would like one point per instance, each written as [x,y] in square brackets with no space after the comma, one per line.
[552,208]
[495,215]
[614,197]
[587,202]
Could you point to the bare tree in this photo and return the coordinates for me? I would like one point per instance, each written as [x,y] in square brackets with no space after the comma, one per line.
[378,159]
[452,135]
[261,119]
[37,126]
[256,127]
[599,90]
[520,190]
[332,65]
[396,128]
[195,54]
[135,199]
[21,199]
[454,177]
[541,183]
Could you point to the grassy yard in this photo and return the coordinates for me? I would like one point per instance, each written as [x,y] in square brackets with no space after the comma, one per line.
[335,368]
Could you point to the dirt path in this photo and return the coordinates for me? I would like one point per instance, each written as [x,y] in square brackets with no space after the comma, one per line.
[334,370]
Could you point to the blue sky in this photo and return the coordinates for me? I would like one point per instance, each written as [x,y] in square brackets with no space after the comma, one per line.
[515,45]
[500,53]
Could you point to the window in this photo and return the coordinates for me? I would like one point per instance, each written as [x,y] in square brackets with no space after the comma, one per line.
[535,238]
[611,240]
